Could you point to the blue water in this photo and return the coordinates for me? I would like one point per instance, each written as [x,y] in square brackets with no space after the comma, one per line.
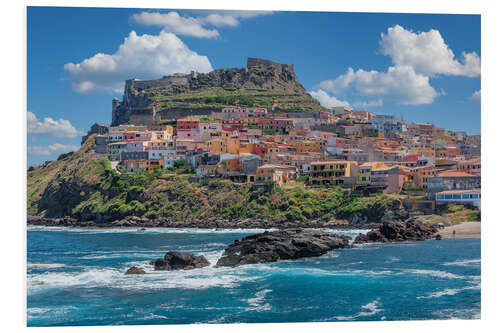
[76,277]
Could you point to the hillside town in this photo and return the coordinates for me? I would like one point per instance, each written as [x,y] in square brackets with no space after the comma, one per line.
[360,151]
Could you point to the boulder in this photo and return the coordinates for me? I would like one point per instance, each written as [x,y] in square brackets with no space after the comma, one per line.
[281,245]
[160,264]
[135,270]
[393,231]
[178,260]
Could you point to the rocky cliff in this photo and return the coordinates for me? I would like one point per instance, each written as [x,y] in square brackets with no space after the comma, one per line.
[262,83]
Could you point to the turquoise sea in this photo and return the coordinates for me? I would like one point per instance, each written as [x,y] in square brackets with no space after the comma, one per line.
[76,277]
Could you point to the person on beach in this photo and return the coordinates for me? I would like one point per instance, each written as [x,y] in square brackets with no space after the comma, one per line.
[454,232]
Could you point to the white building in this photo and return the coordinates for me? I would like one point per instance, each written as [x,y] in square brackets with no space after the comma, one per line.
[158,154]
[472,197]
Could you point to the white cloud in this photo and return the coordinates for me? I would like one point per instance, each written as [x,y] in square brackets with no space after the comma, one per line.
[231,18]
[143,57]
[56,148]
[326,100]
[195,26]
[368,104]
[61,128]
[427,53]
[476,96]
[399,83]
[173,22]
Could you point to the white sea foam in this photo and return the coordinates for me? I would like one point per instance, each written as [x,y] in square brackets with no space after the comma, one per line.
[368,310]
[257,303]
[207,277]
[44,266]
[458,314]
[450,291]
[149,230]
[471,262]
[438,274]
[55,311]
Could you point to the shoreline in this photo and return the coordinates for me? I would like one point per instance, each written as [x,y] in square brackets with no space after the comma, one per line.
[462,230]
[139,223]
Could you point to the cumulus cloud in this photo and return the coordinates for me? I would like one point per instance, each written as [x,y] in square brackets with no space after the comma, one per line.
[231,18]
[368,104]
[416,58]
[175,23]
[399,83]
[143,57]
[326,100]
[56,148]
[427,53]
[61,128]
[195,26]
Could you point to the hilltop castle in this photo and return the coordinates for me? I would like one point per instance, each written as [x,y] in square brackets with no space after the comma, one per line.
[140,96]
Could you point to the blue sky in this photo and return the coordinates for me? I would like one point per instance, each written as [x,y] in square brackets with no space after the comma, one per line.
[425,68]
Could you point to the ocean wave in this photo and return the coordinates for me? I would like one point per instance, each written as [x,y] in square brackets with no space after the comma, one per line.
[470,262]
[449,292]
[44,266]
[202,278]
[257,303]
[434,273]
[368,310]
[474,313]
[152,230]
[35,312]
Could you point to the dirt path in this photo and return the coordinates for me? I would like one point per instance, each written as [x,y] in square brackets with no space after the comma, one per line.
[462,230]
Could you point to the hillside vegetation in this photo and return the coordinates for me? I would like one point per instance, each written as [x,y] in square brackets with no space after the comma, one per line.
[84,186]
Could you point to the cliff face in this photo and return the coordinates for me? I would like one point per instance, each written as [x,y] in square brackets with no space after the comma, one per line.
[262,83]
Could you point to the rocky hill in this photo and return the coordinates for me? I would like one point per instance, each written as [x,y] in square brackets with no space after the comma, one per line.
[262,83]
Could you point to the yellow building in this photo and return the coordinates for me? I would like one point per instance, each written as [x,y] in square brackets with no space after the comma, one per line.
[335,172]
[217,146]
[364,175]
[308,146]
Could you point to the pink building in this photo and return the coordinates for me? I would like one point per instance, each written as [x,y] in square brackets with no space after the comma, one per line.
[138,136]
[193,134]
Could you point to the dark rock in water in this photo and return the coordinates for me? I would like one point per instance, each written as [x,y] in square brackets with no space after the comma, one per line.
[438,237]
[135,270]
[392,231]
[160,264]
[281,245]
[178,260]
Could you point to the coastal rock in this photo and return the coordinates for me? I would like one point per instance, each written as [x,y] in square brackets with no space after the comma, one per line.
[281,245]
[135,270]
[178,260]
[160,264]
[393,231]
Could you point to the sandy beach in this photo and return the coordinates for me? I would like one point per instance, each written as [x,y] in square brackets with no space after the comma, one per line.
[462,230]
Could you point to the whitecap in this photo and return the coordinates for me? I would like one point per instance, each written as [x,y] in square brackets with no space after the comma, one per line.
[450,292]
[44,266]
[434,273]
[471,262]
[369,309]
[257,303]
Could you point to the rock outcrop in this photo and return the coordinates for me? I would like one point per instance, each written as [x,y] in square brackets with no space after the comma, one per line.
[264,82]
[394,231]
[281,245]
[135,270]
[178,260]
